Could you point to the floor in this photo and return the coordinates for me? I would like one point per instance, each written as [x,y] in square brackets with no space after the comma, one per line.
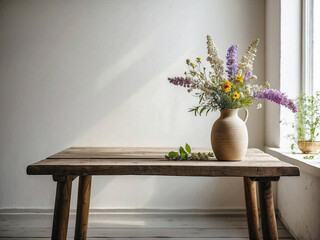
[131,226]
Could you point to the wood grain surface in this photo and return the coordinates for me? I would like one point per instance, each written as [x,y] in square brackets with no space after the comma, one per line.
[117,225]
[150,161]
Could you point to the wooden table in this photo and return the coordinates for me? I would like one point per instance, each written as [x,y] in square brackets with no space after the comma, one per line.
[84,162]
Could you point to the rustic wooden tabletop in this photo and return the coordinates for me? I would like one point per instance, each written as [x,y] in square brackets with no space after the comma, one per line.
[151,161]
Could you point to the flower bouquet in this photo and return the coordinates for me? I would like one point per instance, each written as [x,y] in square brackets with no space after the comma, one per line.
[229,137]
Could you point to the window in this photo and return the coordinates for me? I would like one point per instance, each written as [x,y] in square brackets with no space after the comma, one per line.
[311,46]
[316,46]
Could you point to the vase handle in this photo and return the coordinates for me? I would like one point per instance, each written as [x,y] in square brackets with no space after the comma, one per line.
[246,115]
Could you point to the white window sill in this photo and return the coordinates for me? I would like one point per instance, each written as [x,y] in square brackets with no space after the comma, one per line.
[311,166]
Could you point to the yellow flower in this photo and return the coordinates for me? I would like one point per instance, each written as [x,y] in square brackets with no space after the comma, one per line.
[199,58]
[226,86]
[239,79]
[236,95]
[192,64]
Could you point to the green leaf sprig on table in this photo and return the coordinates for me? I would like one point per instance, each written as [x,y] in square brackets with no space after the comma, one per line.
[185,154]
[311,156]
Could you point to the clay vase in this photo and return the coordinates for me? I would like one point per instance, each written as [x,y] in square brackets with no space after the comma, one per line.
[309,147]
[229,136]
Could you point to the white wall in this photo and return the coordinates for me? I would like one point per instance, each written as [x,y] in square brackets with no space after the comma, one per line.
[272,125]
[299,205]
[93,73]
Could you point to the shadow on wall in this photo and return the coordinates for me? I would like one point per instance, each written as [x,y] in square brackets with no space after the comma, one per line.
[95,74]
[69,88]
[146,192]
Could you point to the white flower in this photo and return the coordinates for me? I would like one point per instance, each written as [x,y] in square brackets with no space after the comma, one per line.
[246,63]
[254,77]
[213,58]
[267,85]
[259,106]
[249,90]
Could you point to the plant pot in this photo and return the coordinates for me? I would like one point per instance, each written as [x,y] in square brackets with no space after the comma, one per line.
[309,147]
[229,136]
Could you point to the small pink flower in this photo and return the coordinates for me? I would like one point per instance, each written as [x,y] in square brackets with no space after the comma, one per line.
[180,81]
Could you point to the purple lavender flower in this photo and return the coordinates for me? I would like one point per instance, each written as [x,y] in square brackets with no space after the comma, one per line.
[180,81]
[232,62]
[276,97]
[249,75]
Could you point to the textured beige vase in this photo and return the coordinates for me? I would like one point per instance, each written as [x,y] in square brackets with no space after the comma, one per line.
[229,135]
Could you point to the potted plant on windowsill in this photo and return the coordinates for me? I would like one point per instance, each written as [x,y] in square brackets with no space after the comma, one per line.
[308,122]
[229,135]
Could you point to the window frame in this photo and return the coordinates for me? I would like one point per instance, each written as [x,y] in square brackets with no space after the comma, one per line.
[307,46]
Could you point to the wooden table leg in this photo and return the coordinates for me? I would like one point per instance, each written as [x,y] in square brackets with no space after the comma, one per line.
[83,207]
[62,207]
[268,219]
[252,208]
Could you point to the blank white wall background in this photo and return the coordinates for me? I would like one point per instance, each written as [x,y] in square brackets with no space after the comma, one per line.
[272,71]
[93,73]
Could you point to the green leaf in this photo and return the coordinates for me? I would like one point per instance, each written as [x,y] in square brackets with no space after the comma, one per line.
[188,148]
[181,150]
[292,146]
[185,154]
[202,109]
[172,154]
[201,98]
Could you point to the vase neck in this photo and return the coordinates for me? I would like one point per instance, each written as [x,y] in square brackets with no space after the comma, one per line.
[229,112]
